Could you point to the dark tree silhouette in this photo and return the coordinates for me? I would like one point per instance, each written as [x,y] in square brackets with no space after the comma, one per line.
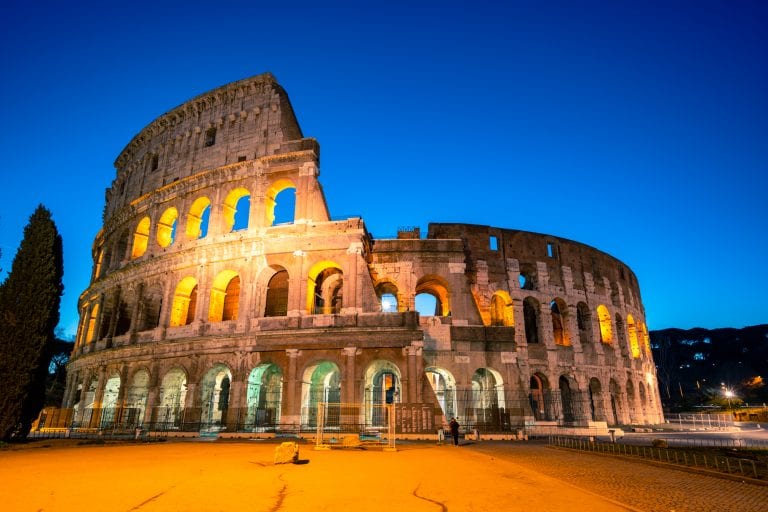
[29,311]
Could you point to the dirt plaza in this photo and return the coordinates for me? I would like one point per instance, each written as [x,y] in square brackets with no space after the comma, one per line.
[228,475]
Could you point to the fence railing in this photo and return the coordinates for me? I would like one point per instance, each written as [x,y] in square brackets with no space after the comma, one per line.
[751,468]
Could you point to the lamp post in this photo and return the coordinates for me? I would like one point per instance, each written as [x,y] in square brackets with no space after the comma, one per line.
[729,395]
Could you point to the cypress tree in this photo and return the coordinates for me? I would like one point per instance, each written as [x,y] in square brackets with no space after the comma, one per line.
[29,311]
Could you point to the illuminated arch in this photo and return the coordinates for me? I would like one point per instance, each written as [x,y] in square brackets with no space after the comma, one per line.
[604,318]
[225,297]
[437,287]
[502,309]
[270,199]
[264,396]
[444,386]
[277,293]
[136,398]
[91,333]
[540,397]
[634,345]
[559,312]
[173,395]
[214,395]
[646,339]
[382,386]
[487,398]
[184,302]
[198,213]
[140,238]
[230,207]
[325,282]
[166,227]
[321,383]
[109,405]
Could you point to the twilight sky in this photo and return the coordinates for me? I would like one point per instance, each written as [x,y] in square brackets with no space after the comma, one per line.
[640,128]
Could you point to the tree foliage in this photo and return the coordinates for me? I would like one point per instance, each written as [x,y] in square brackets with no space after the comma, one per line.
[29,311]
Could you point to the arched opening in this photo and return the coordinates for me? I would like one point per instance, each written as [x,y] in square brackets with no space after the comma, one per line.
[487,399]
[140,238]
[596,400]
[123,321]
[166,227]
[539,398]
[444,386]
[280,202]
[616,407]
[277,294]
[559,312]
[91,332]
[109,405]
[225,297]
[87,403]
[184,302]
[527,278]
[584,322]
[173,394]
[604,318]
[643,403]
[531,319]
[437,288]
[198,218]
[566,399]
[382,387]
[387,293]
[325,288]
[264,397]
[121,248]
[136,398]
[646,339]
[236,209]
[620,335]
[502,310]
[151,303]
[321,383]
[634,346]
[215,396]
[631,404]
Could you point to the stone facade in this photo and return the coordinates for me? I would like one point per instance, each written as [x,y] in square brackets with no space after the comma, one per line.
[203,312]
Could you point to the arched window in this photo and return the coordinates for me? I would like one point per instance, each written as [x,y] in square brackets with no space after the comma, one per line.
[566,399]
[531,318]
[140,238]
[444,386]
[184,302]
[280,202]
[173,393]
[387,293]
[540,398]
[225,297]
[151,304]
[382,386]
[166,227]
[596,400]
[321,383]
[604,318]
[277,294]
[502,310]
[437,288]
[634,346]
[236,209]
[527,277]
[264,397]
[620,334]
[487,398]
[325,286]
[215,395]
[136,398]
[584,322]
[559,312]
[198,218]
[210,137]
[91,333]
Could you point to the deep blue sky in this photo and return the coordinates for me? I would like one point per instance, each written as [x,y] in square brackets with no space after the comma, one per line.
[640,128]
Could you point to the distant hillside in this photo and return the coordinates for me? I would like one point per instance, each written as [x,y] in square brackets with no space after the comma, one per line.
[696,366]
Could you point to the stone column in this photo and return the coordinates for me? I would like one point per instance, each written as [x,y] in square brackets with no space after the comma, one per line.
[412,377]
[292,401]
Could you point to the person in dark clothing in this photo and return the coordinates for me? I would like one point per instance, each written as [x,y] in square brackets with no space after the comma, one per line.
[454,425]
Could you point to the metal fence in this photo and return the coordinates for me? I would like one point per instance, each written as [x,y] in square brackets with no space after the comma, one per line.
[751,468]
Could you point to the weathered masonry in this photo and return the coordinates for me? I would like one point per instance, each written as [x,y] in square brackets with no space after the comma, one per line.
[207,309]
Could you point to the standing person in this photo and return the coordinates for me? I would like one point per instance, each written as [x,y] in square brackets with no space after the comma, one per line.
[454,425]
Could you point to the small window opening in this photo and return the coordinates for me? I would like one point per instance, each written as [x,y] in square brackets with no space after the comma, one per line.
[210,137]
[388,303]
[493,243]
[241,159]
[550,249]
[154,163]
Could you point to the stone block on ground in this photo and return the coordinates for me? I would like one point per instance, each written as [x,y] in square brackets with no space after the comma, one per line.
[287,453]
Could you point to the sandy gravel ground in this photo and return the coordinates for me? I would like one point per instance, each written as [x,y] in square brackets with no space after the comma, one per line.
[235,476]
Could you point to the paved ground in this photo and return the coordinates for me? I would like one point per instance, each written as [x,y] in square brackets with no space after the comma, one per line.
[55,476]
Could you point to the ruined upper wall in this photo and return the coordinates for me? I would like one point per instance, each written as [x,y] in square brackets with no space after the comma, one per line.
[590,268]
[240,121]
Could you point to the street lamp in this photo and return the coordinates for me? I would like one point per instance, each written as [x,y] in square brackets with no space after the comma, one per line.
[729,395]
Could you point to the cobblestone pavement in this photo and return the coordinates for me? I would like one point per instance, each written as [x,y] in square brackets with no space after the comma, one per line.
[637,484]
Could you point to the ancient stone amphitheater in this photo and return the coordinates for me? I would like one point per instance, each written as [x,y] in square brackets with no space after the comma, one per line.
[207,310]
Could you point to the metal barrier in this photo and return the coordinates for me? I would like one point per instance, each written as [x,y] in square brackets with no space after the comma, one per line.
[751,468]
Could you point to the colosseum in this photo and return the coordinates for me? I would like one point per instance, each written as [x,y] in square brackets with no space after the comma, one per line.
[224,295]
